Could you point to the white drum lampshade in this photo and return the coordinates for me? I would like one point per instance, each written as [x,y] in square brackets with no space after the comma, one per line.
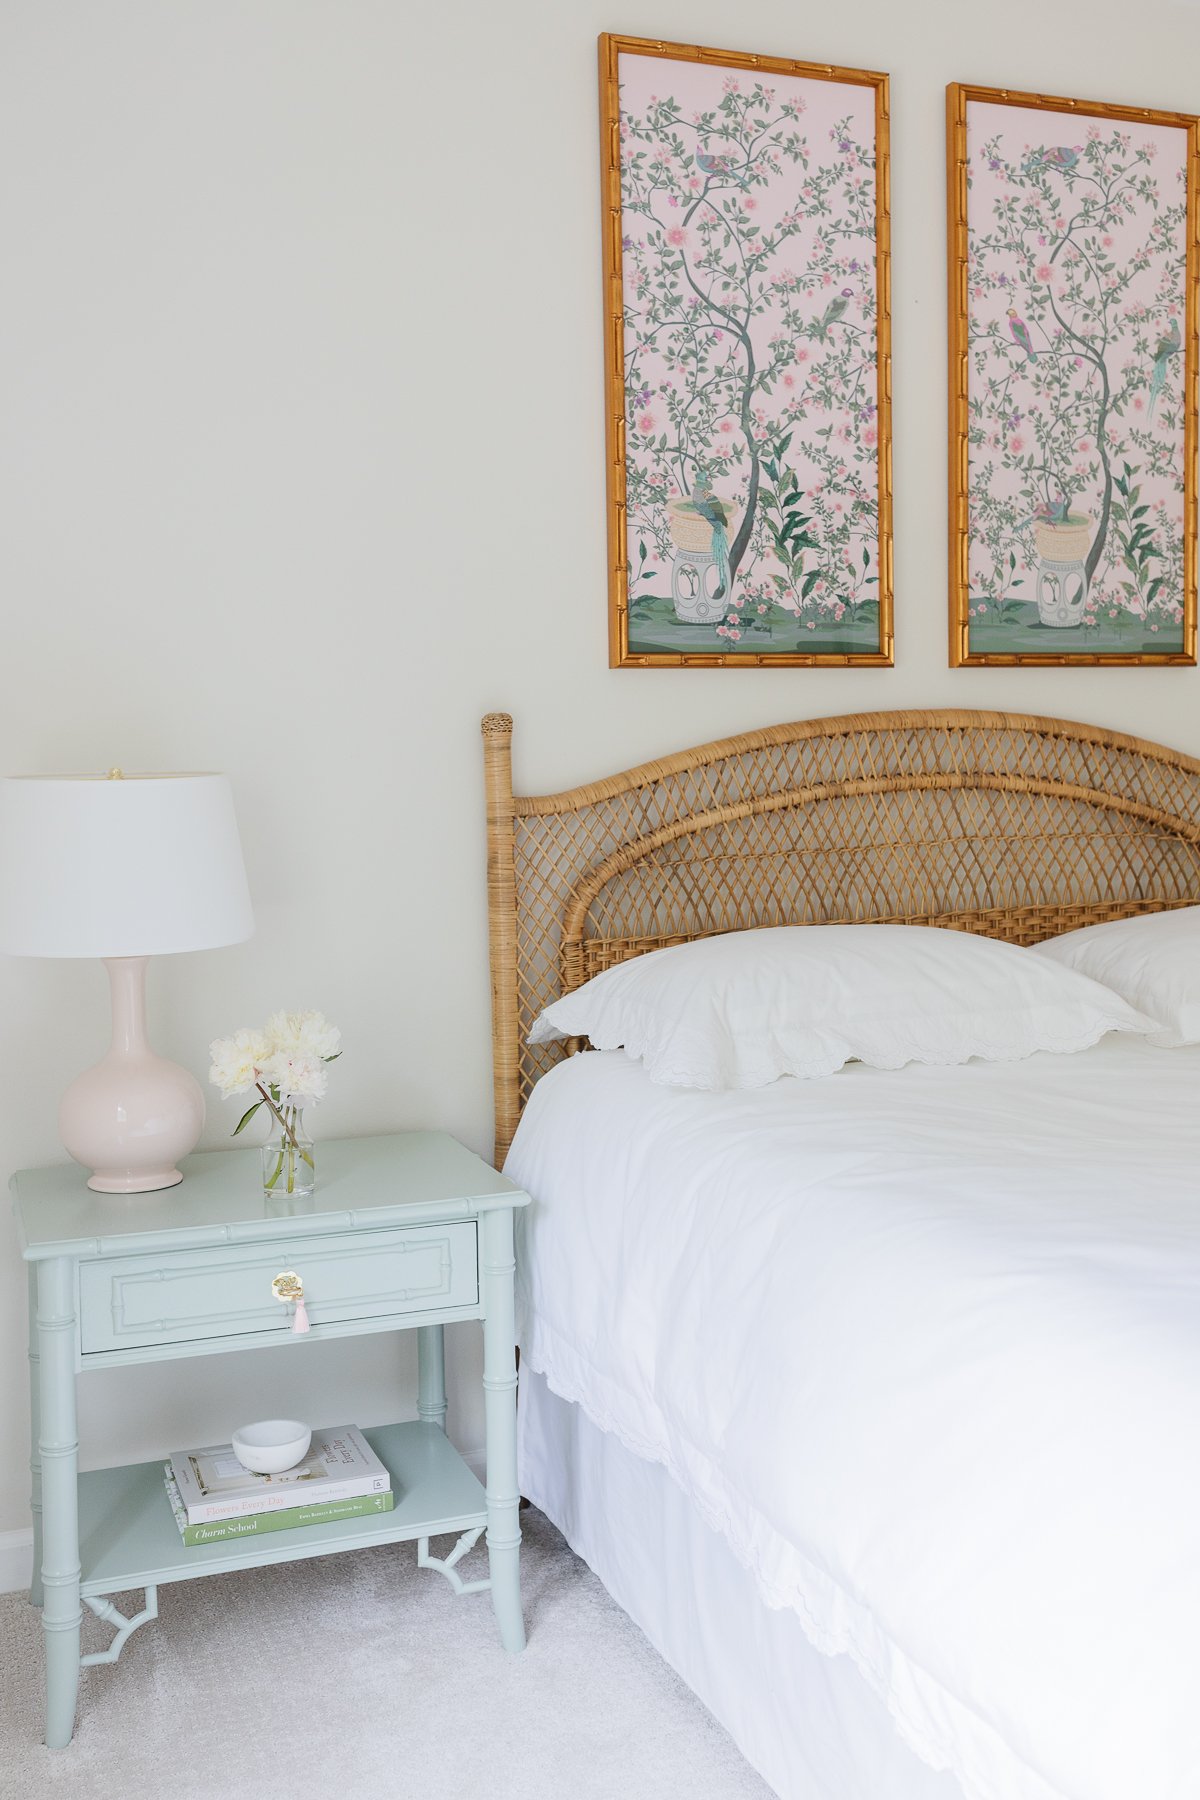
[123,867]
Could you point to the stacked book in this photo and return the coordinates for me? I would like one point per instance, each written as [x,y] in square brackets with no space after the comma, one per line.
[213,1497]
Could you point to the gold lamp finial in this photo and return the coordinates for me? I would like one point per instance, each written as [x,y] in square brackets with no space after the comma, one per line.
[115,774]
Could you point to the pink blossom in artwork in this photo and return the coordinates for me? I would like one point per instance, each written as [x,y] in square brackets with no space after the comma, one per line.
[749,267]
[1076,280]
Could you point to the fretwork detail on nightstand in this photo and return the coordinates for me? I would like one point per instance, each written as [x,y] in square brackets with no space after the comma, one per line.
[125,1624]
[447,1565]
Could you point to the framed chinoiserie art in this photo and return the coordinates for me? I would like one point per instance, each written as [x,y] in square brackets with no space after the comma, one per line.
[746,346]
[1073,380]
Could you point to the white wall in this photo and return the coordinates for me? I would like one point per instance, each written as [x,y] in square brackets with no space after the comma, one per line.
[302,471]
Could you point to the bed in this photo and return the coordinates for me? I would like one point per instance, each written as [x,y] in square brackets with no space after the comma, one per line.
[873,1400]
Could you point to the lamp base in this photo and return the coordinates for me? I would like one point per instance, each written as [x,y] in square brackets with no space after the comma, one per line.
[132,1117]
[149,1183]
[129,1120]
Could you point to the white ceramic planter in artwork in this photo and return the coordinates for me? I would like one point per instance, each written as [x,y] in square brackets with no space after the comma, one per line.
[693,572]
[1062,583]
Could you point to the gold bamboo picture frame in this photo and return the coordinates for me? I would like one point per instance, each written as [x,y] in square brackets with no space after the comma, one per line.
[747,330]
[1074,271]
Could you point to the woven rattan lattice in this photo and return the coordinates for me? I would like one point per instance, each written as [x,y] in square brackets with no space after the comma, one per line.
[1017,827]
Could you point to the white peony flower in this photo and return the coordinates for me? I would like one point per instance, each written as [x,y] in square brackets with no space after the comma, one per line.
[301,1079]
[288,1058]
[304,1034]
[237,1060]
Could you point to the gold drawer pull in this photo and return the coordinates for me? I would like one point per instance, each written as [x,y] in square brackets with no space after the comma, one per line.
[288,1287]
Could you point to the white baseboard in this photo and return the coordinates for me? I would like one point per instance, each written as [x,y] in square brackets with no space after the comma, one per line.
[16,1560]
[16,1547]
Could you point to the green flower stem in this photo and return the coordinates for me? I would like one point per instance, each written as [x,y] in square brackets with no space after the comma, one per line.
[286,1117]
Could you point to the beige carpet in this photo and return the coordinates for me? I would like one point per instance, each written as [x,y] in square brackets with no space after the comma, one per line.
[362,1678]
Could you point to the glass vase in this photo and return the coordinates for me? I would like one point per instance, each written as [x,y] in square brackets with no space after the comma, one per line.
[288,1164]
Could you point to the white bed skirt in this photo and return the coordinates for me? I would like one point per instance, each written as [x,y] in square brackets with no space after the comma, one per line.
[807,1722]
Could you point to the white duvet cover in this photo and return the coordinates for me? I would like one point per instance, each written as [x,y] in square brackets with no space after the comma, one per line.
[924,1345]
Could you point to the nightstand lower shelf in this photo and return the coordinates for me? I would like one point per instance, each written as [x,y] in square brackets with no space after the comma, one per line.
[128,1537]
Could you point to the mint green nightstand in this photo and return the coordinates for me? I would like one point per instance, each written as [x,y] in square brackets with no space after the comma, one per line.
[409,1230]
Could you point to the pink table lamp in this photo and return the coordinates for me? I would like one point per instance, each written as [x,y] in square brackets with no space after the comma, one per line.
[123,867]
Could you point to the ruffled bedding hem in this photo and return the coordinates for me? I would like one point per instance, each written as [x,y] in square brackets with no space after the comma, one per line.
[938,1726]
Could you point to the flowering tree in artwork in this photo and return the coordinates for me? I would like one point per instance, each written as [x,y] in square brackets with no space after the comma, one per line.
[750,350]
[1076,291]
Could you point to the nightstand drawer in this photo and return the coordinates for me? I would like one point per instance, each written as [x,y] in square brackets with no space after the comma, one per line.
[130,1302]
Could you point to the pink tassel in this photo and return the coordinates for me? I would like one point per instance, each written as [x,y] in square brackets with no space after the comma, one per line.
[300,1322]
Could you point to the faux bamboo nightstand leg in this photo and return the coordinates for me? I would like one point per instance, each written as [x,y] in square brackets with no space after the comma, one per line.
[500,1399]
[35,1460]
[431,1374]
[59,1447]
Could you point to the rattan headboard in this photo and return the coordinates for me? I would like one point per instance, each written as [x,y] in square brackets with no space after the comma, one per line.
[991,822]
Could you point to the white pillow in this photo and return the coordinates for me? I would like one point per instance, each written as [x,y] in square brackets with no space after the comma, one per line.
[744,1008]
[1152,961]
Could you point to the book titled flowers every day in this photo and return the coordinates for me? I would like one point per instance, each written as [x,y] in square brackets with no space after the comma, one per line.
[340,1465]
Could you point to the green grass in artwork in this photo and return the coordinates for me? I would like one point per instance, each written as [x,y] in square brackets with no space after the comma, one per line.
[654,629]
[1020,630]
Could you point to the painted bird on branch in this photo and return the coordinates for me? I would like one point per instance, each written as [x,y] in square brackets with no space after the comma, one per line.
[833,312]
[1062,157]
[1168,346]
[710,165]
[1048,512]
[716,513]
[1020,331]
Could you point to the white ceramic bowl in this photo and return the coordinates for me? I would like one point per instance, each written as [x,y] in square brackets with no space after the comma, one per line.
[272,1445]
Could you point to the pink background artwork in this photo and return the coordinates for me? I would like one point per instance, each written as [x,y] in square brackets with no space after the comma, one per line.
[750,360]
[1076,298]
